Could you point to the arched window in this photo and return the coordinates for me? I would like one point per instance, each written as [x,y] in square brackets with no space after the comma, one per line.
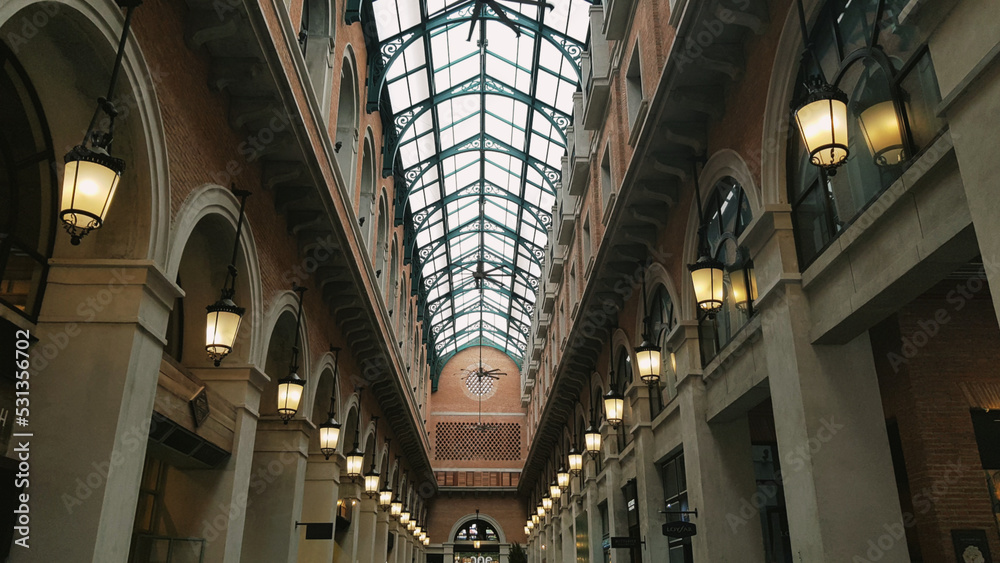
[366,205]
[624,377]
[727,213]
[348,114]
[27,191]
[884,67]
[477,530]
[662,321]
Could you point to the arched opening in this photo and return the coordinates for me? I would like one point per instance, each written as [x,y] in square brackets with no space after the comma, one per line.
[346,138]
[28,191]
[316,40]
[366,201]
[392,288]
[381,242]
[727,213]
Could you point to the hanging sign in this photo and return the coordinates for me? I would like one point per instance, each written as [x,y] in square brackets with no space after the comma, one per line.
[679,529]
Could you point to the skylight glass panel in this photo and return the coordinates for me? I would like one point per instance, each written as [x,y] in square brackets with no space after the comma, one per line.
[474,143]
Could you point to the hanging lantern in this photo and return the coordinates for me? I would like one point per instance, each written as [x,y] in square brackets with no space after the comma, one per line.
[880,127]
[290,388]
[706,278]
[91,175]
[416,531]
[822,121]
[536,519]
[371,481]
[562,478]
[575,461]
[411,525]
[744,286]
[385,498]
[540,510]
[221,327]
[355,461]
[427,541]
[614,407]
[289,394]
[554,491]
[329,436]
[396,508]
[404,516]
[530,524]
[527,531]
[423,536]
[648,362]
[546,504]
[222,323]
[592,437]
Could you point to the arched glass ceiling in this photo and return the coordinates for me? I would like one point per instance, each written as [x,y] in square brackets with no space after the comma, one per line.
[480,130]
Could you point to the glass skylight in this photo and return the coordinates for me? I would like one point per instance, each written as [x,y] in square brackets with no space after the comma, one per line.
[480,134]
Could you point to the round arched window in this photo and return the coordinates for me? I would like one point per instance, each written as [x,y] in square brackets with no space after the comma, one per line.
[27,190]
[884,67]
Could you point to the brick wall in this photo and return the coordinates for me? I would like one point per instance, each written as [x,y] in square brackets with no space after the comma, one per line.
[448,509]
[926,354]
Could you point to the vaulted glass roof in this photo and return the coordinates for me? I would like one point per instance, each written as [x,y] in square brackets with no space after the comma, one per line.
[481,95]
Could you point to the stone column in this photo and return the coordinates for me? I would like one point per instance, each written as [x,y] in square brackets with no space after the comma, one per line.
[367,520]
[649,486]
[593,512]
[408,545]
[718,466]
[555,533]
[381,537]
[322,490]
[95,366]
[224,523]
[828,417]
[568,547]
[617,510]
[277,486]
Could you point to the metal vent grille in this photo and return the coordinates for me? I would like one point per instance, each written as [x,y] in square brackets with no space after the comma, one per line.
[465,441]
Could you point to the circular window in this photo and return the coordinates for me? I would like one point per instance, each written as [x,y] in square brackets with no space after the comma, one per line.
[479,386]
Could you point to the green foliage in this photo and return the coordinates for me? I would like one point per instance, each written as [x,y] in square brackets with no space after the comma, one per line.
[517,554]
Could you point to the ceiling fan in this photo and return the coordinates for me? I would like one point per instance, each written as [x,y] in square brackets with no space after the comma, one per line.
[479,7]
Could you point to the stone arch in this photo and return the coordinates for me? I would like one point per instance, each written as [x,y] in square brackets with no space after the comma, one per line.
[318,391]
[728,162]
[209,215]
[68,77]
[317,33]
[777,117]
[471,517]
[348,116]
[276,358]
[366,195]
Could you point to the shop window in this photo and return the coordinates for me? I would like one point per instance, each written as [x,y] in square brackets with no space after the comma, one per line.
[885,68]
[727,213]
[675,496]
[27,191]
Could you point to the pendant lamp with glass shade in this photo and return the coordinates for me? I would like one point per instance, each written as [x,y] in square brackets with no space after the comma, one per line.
[647,354]
[614,401]
[329,431]
[91,175]
[592,435]
[222,323]
[372,476]
[356,457]
[290,388]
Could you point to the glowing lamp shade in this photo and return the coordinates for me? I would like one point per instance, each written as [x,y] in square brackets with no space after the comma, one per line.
[562,478]
[648,356]
[554,491]
[90,180]
[546,504]
[592,437]
[411,525]
[536,519]
[385,499]
[423,536]
[540,511]
[477,544]
[527,531]
[614,407]
[396,508]
[355,459]
[371,483]
[427,541]
[575,461]
[530,524]
[822,121]
[416,531]
[289,394]
[329,437]
[744,287]
[706,279]
[404,517]
[221,327]
[880,127]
